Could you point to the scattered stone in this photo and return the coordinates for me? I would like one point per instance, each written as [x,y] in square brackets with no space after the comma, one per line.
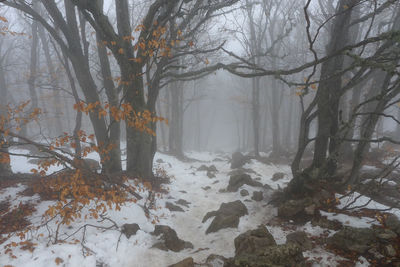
[238,160]
[215,182]
[300,238]
[183,202]
[257,196]
[294,209]
[279,255]
[277,176]
[244,192]
[159,161]
[183,191]
[247,200]
[323,222]
[310,210]
[173,207]
[377,255]
[170,239]
[227,216]
[206,188]
[212,168]
[202,168]
[393,223]
[390,251]
[257,178]
[210,174]
[268,187]
[253,240]
[188,262]
[236,181]
[359,240]
[130,229]
[241,171]
[386,234]
[215,260]
[222,190]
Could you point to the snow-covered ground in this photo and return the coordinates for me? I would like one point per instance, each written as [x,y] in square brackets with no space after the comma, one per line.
[113,249]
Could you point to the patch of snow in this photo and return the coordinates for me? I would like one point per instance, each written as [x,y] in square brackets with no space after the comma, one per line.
[346,220]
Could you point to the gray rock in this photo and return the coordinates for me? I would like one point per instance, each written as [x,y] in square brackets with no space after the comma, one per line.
[227,216]
[183,202]
[241,171]
[294,209]
[359,240]
[159,161]
[188,262]
[253,240]
[210,174]
[277,176]
[216,260]
[300,238]
[268,187]
[236,181]
[376,253]
[323,222]
[170,239]
[393,223]
[173,207]
[386,234]
[212,168]
[310,210]
[244,192]
[206,188]
[257,196]
[390,251]
[202,168]
[130,229]
[272,256]
[238,160]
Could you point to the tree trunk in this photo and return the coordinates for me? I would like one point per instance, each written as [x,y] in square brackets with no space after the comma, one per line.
[5,166]
[328,93]
[115,126]
[255,82]
[176,123]
[32,73]
[57,126]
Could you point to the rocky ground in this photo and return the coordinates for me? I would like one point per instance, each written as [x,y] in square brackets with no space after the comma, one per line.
[216,211]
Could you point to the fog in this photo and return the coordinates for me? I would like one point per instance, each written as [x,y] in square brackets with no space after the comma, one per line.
[108,99]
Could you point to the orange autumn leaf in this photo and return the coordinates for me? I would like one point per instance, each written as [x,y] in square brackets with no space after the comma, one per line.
[58,260]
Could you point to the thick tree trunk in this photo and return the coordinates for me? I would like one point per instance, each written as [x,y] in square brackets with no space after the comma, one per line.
[328,93]
[115,126]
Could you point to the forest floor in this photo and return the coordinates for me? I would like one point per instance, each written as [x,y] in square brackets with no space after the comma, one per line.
[193,194]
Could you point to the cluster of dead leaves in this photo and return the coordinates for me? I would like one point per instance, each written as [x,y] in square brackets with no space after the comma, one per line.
[14,219]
